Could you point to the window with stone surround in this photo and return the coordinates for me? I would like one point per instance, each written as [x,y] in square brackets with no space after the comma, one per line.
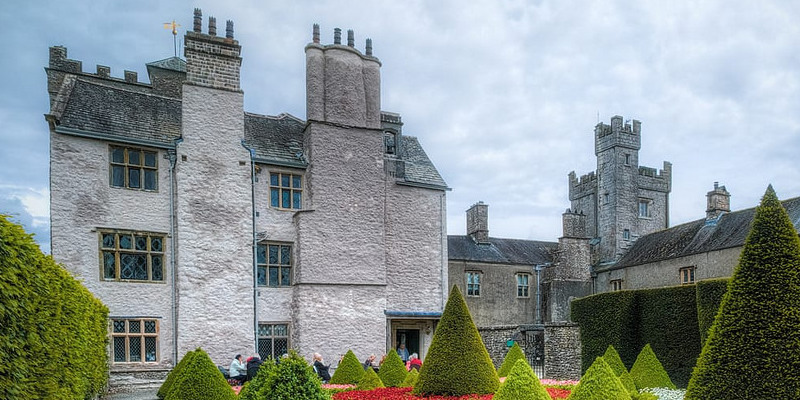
[616,285]
[285,191]
[644,208]
[686,275]
[133,168]
[274,261]
[134,340]
[473,283]
[626,234]
[523,285]
[273,340]
[131,256]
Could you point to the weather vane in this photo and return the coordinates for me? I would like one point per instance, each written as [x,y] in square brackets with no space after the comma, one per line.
[174,26]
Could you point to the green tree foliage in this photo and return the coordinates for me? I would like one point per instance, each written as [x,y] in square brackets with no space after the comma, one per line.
[370,380]
[164,389]
[293,379]
[349,371]
[266,374]
[200,379]
[612,359]
[599,383]
[753,349]
[521,384]
[393,371]
[411,379]
[647,371]
[457,362]
[514,354]
[53,331]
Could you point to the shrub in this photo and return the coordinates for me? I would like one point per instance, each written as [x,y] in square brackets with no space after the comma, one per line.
[293,379]
[607,319]
[349,371]
[370,380]
[164,389]
[53,331]
[753,349]
[514,354]
[411,379]
[457,362]
[393,370]
[200,379]
[627,382]
[647,371]
[611,358]
[599,383]
[521,384]
[266,373]
[709,298]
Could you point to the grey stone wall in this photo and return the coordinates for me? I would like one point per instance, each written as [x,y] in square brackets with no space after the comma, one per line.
[498,302]
[212,61]
[562,359]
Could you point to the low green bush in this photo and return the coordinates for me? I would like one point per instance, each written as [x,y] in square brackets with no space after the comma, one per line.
[293,379]
[647,371]
[599,383]
[514,354]
[370,380]
[393,371]
[411,379]
[521,384]
[200,379]
[264,377]
[349,371]
[164,389]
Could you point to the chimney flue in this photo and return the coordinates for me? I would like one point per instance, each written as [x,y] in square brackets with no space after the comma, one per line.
[198,20]
[337,36]
[229,29]
[719,202]
[478,222]
[315,34]
[212,26]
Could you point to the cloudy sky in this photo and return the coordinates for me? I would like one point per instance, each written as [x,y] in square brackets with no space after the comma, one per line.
[503,95]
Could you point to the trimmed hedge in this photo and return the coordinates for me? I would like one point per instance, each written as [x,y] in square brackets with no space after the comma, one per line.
[264,377]
[164,389]
[393,371]
[607,319]
[349,371]
[411,379]
[370,380]
[599,383]
[292,379]
[709,298]
[53,331]
[457,362]
[753,349]
[521,384]
[200,379]
[647,371]
[514,354]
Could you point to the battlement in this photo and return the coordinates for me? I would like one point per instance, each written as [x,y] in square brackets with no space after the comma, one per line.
[585,186]
[657,180]
[625,134]
[59,62]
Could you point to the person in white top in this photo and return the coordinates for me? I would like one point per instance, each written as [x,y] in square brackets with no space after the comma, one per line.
[237,370]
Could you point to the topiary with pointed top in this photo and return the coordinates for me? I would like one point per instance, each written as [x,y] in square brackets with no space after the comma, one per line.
[200,379]
[349,371]
[521,384]
[370,381]
[612,358]
[647,371]
[514,354]
[457,362]
[267,372]
[164,389]
[599,383]
[411,379]
[393,371]
[753,348]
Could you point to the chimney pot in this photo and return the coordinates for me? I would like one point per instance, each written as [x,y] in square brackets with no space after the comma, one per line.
[212,26]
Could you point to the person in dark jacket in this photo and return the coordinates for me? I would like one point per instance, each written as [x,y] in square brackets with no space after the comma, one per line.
[321,369]
[253,364]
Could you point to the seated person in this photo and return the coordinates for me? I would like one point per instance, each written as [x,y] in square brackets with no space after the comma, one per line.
[414,362]
[253,364]
[369,361]
[237,370]
[320,368]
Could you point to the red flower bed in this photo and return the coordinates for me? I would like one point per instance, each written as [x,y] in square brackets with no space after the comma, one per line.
[405,394]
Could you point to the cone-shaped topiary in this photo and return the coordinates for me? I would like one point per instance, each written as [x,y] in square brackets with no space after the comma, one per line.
[599,383]
[521,384]
[457,362]
[627,382]
[164,389]
[411,379]
[200,379]
[349,371]
[393,371]
[647,371]
[266,374]
[292,379]
[611,357]
[370,380]
[753,348]
[514,354]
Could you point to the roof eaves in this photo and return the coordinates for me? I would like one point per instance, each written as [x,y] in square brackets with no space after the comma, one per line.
[113,138]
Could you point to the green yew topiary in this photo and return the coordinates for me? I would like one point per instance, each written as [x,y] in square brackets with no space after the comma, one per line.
[753,348]
[349,371]
[393,371]
[612,359]
[164,389]
[514,354]
[647,371]
[53,331]
[200,379]
[627,382]
[709,297]
[370,380]
[457,362]
[521,384]
[266,373]
[411,379]
[293,378]
[599,383]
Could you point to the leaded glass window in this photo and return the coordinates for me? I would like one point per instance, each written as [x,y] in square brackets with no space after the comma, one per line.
[133,168]
[134,340]
[132,256]
[285,191]
[273,340]
[473,283]
[274,264]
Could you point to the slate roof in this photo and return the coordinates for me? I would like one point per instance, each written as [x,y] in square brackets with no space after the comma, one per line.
[419,168]
[500,251]
[277,140]
[696,237]
[172,63]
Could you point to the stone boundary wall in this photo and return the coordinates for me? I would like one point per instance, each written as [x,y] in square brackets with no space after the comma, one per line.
[562,351]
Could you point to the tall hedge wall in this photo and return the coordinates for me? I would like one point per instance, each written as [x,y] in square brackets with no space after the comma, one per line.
[666,318]
[53,332]
[709,297]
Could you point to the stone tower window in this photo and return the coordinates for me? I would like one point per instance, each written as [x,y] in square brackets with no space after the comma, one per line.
[626,234]
[644,208]
[473,283]
[274,262]
[627,159]
[390,142]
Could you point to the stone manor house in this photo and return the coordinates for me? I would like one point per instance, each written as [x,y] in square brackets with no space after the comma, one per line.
[200,224]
